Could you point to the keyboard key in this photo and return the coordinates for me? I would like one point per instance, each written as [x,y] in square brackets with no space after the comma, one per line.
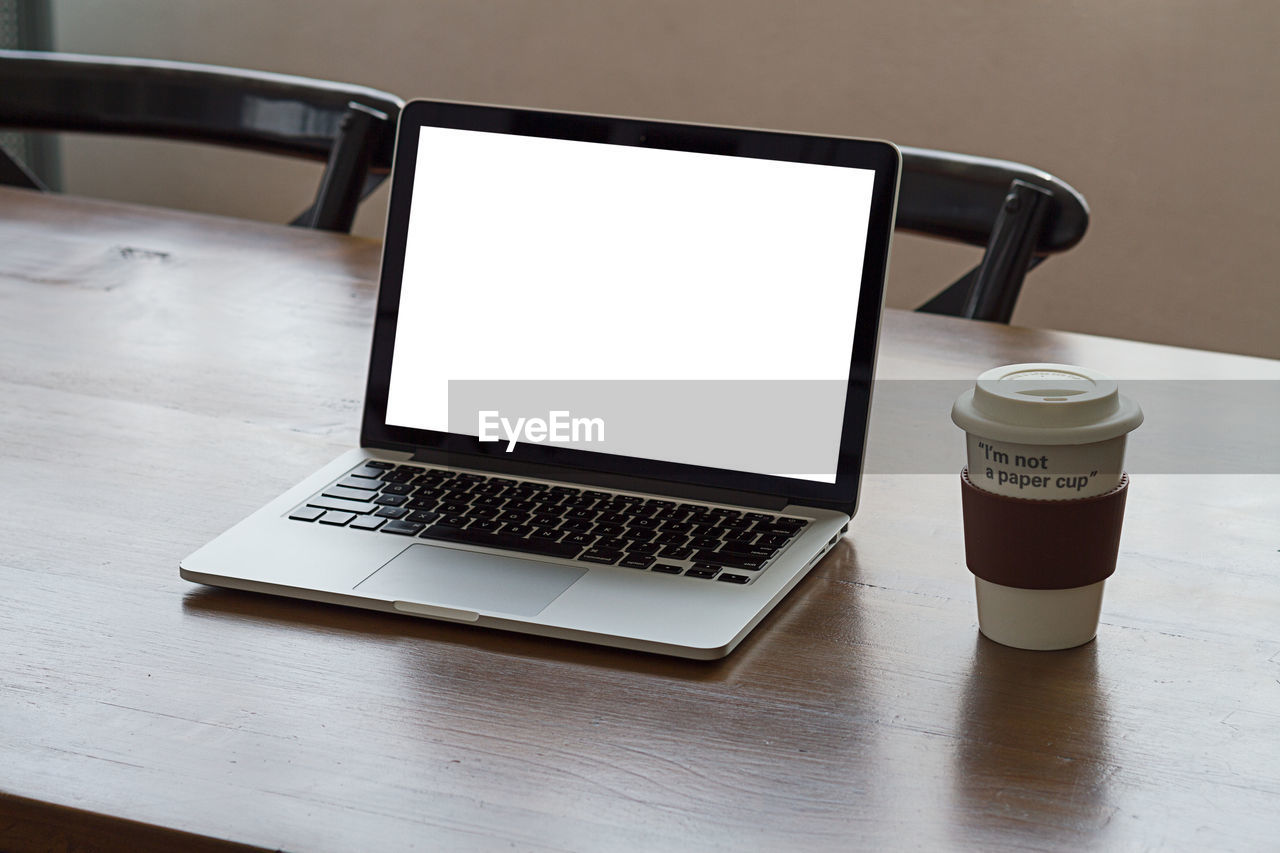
[759,516]
[355,481]
[348,494]
[777,528]
[642,548]
[443,533]
[336,518]
[456,491]
[734,561]
[636,561]
[306,513]
[605,556]
[749,551]
[667,569]
[367,522]
[358,507]
[672,552]
[485,524]
[514,517]
[729,578]
[704,574]
[583,539]
[397,489]
[404,528]
[382,466]
[516,529]
[392,512]
[548,534]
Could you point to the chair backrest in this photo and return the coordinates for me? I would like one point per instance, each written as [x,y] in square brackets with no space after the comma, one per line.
[1018,213]
[350,128]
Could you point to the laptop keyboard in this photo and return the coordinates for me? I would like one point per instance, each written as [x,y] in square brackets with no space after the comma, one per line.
[700,541]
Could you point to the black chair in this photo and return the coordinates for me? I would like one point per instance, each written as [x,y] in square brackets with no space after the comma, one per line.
[350,128]
[1019,214]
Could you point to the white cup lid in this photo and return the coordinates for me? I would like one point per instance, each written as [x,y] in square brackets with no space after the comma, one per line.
[1042,403]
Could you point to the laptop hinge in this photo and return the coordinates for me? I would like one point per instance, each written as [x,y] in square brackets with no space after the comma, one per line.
[602,479]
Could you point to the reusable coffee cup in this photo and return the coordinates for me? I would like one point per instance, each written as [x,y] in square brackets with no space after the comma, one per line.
[1043,498]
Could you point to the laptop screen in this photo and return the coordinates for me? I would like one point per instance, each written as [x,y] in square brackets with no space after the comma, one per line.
[621,301]
[668,305]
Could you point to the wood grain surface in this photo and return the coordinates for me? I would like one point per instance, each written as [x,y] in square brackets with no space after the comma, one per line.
[165,374]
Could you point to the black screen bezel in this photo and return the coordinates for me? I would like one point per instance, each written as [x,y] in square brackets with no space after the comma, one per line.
[881,157]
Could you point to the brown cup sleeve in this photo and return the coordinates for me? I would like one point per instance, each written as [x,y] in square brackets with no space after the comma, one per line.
[1039,544]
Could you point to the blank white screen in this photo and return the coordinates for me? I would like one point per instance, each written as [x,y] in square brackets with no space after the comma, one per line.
[532,258]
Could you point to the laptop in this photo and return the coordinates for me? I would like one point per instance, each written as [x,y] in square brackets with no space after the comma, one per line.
[619,382]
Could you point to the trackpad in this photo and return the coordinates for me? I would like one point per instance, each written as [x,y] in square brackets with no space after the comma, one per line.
[467,581]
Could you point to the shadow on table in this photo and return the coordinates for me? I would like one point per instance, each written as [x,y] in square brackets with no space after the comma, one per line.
[1033,755]
[213,602]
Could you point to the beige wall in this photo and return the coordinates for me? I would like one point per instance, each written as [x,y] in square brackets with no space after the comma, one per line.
[1162,112]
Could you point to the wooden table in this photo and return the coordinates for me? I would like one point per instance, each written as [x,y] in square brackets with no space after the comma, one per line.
[164,374]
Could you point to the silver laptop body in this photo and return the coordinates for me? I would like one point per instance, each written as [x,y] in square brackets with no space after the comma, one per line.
[619,382]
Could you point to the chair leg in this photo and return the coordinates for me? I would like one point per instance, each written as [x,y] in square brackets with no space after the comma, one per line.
[950,300]
[343,182]
[995,289]
[14,174]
